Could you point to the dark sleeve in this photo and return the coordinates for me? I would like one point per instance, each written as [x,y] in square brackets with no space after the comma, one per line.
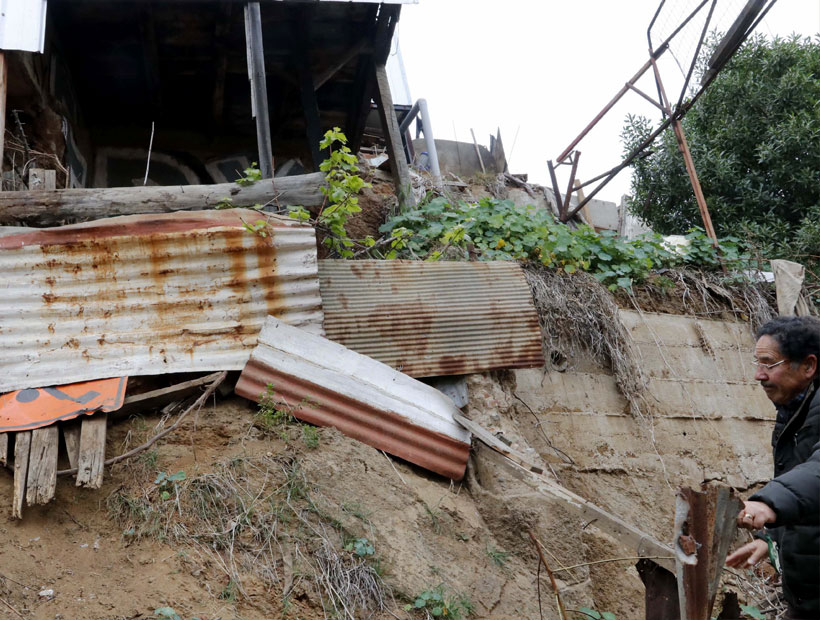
[795,495]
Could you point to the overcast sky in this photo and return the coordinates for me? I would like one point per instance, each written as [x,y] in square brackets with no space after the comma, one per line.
[542,69]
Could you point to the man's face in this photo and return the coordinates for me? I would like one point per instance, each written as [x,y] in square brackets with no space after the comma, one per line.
[783,382]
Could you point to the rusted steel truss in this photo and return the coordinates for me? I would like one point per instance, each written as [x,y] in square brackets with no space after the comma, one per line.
[745,23]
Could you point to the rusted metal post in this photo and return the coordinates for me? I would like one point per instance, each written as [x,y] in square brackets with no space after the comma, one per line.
[704,528]
[568,197]
[693,178]
[559,204]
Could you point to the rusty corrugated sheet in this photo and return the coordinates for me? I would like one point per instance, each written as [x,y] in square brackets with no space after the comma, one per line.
[325,383]
[432,318]
[154,294]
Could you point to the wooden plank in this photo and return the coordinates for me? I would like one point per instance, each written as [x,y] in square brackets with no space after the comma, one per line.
[629,535]
[83,204]
[4,448]
[496,444]
[42,179]
[3,90]
[22,447]
[42,466]
[390,126]
[71,436]
[171,389]
[92,451]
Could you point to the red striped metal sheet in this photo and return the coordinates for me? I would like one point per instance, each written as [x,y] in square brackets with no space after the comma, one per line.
[141,295]
[432,318]
[324,383]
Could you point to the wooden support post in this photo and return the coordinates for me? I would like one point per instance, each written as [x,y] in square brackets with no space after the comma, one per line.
[4,449]
[92,451]
[3,89]
[71,436]
[22,447]
[42,466]
[390,127]
[307,90]
[259,86]
[559,203]
[478,152]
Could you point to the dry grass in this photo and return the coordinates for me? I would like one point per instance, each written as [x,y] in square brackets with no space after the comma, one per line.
[578,314]
[255,516]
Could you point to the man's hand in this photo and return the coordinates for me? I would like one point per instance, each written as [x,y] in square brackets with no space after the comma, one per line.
[750,554]
[754,515]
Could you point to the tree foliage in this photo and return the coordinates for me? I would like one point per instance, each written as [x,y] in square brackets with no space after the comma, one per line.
[755,139]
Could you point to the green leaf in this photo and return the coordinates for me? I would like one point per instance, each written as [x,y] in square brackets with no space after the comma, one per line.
[608,615]
[590,612]
[752,611]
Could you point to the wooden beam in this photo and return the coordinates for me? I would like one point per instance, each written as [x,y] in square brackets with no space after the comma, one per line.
[42,467]
[80,205]
[362,87]
[221,31]
[390,128]
[307,92]
[4,449]
[71,437]
[355,50]
[3,90]
[92,451]
[629,535]
[42,179]
[22,447]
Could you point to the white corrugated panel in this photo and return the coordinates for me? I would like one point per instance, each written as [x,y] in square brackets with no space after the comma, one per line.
[22,25]
[326,383]
[149,294]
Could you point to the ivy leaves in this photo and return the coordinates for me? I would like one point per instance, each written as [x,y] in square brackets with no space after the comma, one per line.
[502,230]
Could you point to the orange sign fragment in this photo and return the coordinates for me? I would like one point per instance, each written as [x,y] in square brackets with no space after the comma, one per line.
[31,408]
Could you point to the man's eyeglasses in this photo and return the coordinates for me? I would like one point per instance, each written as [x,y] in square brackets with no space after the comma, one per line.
[767,366]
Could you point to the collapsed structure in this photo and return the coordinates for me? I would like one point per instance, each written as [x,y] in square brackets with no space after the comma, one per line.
[156,280]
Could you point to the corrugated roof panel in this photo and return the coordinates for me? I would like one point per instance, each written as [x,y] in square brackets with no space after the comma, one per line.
[154,294]
[327,384]
[432,318]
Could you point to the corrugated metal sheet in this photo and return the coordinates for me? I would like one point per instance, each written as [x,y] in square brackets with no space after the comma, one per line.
[22,25]
[154,294]
[432,318]
[327,384]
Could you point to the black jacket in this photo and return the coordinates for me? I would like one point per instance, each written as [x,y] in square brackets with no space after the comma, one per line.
[794,495]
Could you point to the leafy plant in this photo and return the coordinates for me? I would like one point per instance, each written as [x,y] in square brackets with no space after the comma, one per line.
[361,547]
[166,482]
[499,557]
[166,613]
[341,190]
[250,175]
[439,605]
[753,612]
[501,230]
[760,169]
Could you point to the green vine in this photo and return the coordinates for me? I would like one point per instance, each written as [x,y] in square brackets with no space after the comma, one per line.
[500,230]
[341,190]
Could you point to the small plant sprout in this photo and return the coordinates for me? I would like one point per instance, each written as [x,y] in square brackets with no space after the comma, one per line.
[166,482]
[499,558]
[166,613]
[436,603]
[361,547]
[250,175]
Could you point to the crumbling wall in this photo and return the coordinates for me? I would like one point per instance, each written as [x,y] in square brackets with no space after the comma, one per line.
[708,420]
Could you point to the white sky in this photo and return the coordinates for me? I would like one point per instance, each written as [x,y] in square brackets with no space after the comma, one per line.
[543,69]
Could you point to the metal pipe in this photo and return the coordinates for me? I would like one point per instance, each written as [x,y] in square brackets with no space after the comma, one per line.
[409,118]
[432,153]
[259,87]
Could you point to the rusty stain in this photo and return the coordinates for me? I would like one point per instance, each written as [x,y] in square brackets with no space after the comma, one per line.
[180,281]
[431,319]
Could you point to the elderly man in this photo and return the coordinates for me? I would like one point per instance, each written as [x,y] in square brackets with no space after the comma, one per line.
[787,353]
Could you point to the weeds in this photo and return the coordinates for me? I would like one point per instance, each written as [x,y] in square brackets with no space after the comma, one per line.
[437,603]
[275,416]
[499,557]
